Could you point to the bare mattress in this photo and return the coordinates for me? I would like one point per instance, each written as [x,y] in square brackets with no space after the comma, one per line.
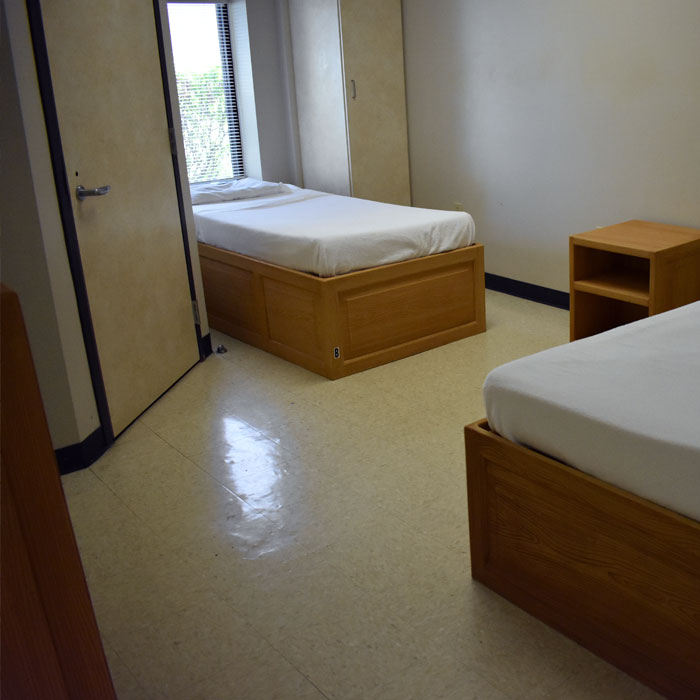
[623,406]
[327,234]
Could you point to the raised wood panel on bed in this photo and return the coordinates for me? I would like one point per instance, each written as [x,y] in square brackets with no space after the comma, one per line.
[293,317]
[232,298]
[336,326]
[399,312]
[613,571]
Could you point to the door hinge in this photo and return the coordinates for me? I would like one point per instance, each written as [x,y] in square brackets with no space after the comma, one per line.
[195,312]
[171,136]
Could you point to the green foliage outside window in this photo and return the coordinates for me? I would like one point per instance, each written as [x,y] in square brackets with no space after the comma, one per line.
[204,125]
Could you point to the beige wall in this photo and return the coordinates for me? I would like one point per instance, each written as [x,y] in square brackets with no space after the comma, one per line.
[549,117]
[34,260]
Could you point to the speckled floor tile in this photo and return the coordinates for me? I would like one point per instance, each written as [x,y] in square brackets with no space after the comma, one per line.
[264,533]
[126,685]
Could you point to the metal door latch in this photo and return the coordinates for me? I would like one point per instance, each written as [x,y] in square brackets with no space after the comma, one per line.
[81,192]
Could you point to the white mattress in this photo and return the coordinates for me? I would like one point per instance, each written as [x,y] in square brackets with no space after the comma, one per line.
[328,234]
[623,406]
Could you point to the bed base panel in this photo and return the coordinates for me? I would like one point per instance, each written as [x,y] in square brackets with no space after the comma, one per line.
[616,573]
[337,326]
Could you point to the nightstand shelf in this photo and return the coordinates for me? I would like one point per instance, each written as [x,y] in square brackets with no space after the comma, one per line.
[623,286]
[626,272]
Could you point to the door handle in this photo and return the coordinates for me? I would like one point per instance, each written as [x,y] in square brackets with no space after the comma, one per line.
[81,192]
[354,90]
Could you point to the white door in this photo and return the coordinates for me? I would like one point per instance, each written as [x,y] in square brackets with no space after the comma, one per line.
[105,71]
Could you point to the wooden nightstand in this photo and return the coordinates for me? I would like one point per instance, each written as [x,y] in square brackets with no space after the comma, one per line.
[628,271]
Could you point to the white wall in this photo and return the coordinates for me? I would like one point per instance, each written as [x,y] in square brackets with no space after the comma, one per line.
[549,117]
[320,95]
[265,104]
[277,149]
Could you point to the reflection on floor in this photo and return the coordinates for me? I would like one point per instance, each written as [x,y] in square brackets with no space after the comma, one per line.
[262,532]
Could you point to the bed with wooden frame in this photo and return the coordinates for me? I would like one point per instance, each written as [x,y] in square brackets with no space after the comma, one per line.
[615,572]
[336,326]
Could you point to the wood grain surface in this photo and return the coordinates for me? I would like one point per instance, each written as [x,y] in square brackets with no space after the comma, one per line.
[51,647]
[617,573]
[655,267]
[372,316]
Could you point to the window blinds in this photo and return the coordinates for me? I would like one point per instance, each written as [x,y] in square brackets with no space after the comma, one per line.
[206,90]
[234,130]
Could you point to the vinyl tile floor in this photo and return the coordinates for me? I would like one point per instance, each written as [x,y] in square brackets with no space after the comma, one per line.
[264,533]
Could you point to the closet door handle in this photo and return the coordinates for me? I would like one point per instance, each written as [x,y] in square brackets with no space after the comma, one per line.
[354,90]
[81,192]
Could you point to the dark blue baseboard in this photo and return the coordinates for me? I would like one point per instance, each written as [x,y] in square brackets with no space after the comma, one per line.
[205,346]
[83,454]
[525,290]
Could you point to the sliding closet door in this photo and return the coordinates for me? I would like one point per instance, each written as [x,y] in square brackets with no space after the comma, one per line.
[107,84]
[376,99]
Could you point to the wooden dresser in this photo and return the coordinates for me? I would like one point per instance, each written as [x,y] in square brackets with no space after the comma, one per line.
[51,646]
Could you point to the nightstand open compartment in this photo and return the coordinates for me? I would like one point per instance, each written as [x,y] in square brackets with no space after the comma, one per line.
[628,271]
[613,275]
[596,314]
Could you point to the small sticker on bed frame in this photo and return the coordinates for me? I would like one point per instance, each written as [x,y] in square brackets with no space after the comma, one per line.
[336,353]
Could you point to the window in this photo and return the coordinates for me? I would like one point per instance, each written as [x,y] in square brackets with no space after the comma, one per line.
[206,90]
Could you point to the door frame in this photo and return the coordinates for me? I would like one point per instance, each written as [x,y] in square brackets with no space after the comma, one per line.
[204,343]
[63,192]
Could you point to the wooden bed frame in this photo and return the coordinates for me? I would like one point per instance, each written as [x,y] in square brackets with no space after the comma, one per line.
[340,325]
[618,574]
